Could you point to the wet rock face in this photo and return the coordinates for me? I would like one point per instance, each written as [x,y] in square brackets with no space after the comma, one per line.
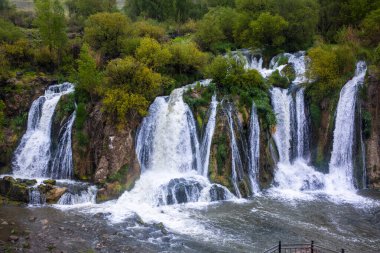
[217,193]
[14,190]
[372,106]
[109,148]
[179,191]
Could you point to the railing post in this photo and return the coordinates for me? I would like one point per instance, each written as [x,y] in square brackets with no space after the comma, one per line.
[342,250]
[312,247]
[279,247]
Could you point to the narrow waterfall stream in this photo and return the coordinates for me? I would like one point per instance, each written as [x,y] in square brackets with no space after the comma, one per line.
[341,163]
[254,150]
[32,156]
[207,137]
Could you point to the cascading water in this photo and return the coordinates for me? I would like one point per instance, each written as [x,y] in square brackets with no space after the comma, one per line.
[62,163]
[282,103]
[168,150]
[254,150]
[341,163]
[207,137]
[292,133]
[31,158]
[236,163]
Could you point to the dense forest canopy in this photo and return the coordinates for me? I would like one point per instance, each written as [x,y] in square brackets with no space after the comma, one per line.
[125,57]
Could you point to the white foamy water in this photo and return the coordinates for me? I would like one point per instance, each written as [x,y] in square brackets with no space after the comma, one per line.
[31,158]
[341,168]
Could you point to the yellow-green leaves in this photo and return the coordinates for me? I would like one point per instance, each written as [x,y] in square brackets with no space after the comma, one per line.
[152,53]
[106,31]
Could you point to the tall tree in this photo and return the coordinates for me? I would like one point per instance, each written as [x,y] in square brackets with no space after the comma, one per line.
[50,20]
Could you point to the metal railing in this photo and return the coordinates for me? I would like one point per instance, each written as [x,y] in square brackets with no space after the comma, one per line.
[300,248]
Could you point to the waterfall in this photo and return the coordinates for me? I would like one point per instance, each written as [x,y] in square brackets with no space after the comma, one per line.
[341,163]
[81,196]
[62,163]
[236,163]
[254,150]
[207,137]
[282,103]
[302,126]
[32,156]
[36,198]
[172,160]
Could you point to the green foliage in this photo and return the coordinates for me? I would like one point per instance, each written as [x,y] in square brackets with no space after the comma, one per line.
[18,54]
[302,17]
[151,53]
[80,120]
[187,58]
[50,20]
[278,80]
[268,31]
[216,29]
[89,78]
[232,79]
[149,29]
[371,28]
[105,32]
[131,85]
[366,124]
[2,118]
[9,32]
[176,10]
[80,10]
[120,175]
[330,67]
[336,14]
[221,153]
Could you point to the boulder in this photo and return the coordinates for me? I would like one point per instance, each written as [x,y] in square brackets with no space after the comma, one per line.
[53,195]
[50,181]
[12,189]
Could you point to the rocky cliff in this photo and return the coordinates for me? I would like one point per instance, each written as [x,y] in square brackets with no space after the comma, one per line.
[371,128]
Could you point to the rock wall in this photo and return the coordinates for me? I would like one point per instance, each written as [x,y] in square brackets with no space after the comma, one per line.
[108,149]
[371,105]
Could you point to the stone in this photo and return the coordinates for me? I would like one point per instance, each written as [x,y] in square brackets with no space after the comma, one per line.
[55,194]
[44,221]
[13,238]
[61,228]
[4,223]
[50,181]
[32,219]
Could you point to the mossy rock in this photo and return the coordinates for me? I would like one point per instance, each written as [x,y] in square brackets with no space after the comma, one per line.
[28,182]
[50,181]
[10,188]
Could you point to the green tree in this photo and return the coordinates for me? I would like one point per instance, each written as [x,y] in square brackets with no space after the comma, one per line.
[50,20]
[106,31]
[330,67]
[215,30]
[151,53]
[80,10]
[268,31]
[89,78]
[9,33]
[371,28]
[130,87]
[303,17]
[187,58]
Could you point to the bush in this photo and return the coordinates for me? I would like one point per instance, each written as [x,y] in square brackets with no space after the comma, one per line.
[9,32]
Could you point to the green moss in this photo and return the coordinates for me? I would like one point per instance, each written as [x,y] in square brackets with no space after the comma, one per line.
[120,175]
[65,107]
[366,124]
[315,114]
[277,80]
